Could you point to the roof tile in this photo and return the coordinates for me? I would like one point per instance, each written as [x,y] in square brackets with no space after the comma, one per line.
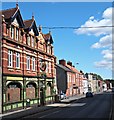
[9,12]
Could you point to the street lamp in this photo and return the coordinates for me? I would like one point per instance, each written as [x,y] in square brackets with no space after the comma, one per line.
[42,83]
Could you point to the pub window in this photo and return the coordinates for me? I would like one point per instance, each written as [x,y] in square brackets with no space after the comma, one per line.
[33,63]
[49,67]
[10,58]
[30,86]
[13,86]
[28,62]
[17,60]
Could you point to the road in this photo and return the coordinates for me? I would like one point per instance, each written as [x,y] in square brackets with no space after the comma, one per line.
[98,106]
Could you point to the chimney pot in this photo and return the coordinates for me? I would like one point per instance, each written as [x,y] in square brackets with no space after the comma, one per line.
[69,63]
[62,62]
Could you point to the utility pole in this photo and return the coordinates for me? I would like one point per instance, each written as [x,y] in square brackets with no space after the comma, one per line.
[1,96]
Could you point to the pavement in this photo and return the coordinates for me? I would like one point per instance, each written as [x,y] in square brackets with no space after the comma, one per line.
[72,98]
[32,110]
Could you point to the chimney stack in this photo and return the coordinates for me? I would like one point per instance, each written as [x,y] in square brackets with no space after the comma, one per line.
[62,62]
[69,63]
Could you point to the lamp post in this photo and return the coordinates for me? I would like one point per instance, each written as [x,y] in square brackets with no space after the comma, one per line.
[43,82]
[78,77]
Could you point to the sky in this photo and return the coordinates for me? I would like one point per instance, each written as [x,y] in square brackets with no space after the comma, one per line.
[90,47]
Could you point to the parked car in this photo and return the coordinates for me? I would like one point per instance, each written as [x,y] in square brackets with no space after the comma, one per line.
[89,94]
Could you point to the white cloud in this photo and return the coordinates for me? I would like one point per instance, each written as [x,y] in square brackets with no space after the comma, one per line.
[107,54]
[108,13]
[104,42]
[106,36]
[95,31]
[103,64]
[92,22]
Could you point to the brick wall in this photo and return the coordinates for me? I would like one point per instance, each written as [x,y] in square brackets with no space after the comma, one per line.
[30,92]
[13,94]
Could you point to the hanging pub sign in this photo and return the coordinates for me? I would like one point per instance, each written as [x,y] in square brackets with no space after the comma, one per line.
[42,65]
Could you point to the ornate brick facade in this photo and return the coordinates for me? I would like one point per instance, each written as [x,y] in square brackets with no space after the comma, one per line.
[28,62]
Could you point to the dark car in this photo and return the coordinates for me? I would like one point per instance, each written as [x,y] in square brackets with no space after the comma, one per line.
[89,94]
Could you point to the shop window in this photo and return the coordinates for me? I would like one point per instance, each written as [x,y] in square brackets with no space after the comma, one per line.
[30,86]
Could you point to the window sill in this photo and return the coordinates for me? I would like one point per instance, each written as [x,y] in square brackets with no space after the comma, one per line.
[33,71]
[10,68]
[18,68]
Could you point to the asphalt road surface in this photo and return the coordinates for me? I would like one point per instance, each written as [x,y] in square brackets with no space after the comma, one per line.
[97,107]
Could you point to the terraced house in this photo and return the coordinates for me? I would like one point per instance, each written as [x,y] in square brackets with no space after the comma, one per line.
[28,62]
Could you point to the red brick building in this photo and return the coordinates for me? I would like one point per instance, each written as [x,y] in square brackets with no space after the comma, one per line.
[68,78]
[28,62]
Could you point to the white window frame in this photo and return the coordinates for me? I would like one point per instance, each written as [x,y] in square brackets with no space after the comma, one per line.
[28,40]
[32,41]
[17,60]
[33,63]
[49,67]
[17,34]
[48,49]
[28,62]
[10,58]
[12,32]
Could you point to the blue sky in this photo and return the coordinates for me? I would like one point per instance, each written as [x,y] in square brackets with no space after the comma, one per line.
[86,46]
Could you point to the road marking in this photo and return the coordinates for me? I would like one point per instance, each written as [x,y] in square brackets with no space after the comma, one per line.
[50,114]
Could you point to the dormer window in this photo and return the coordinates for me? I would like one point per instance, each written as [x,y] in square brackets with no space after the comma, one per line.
[48,49]
[17,34]
[32,40]
[28,40]
[12,32]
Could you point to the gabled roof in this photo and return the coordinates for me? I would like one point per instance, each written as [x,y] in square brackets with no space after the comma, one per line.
[64,68]
[73,69]
[28,23]
[48,37]
[11,14]
[31,24]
